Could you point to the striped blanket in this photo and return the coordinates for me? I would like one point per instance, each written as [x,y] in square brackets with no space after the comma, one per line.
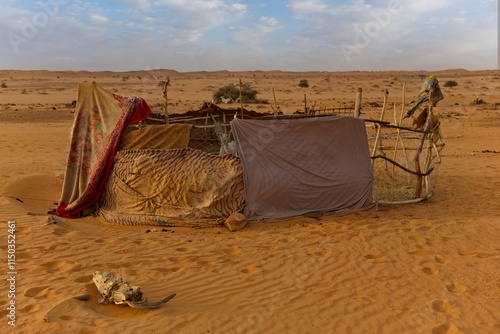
[177,187]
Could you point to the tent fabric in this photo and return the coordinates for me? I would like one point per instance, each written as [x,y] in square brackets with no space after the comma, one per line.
[178,187]
[295,166]
[161,137]
[100,119]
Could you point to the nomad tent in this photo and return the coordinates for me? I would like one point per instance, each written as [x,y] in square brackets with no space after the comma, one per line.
[283,167]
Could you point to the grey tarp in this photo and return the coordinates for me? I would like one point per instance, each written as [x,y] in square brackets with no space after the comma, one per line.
[295,166]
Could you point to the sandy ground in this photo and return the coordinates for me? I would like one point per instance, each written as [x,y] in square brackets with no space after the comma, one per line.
[431,267]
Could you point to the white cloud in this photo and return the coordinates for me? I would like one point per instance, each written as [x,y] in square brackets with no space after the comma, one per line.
[425,6]
[190,20]
[98,18]
[253,35]
[143,4]
[215,12]
[267,24]
[302,7]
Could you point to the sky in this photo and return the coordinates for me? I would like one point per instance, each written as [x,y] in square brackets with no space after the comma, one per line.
[241,35]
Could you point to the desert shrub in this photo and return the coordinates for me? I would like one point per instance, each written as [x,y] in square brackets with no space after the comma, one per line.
[303,83]
[232,91]
[4,85]
[450,84]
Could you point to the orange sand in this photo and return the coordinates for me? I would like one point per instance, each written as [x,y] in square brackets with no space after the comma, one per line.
[430,267]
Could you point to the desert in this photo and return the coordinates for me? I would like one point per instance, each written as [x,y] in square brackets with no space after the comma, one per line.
[427,267]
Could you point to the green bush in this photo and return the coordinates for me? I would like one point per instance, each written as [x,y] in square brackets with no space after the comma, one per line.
[450,84]
[232,91]
[303,83]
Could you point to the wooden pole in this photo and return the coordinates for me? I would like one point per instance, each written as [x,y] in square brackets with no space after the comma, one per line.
[400,122]
[399,138]
[275,105]
[305,104]
[241,98]
[165,96]
[379,129]
[430,146]
[429,124]
[357,107]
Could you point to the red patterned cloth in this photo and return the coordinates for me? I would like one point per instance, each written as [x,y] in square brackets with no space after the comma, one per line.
[100,119]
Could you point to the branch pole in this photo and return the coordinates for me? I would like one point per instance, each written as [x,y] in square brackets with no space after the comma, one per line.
[165,96]
[398,133]
[431,144]
[357,107]
[398,138]
[275,104]
[429,124]
[305,104]
[379,128]
[241,98]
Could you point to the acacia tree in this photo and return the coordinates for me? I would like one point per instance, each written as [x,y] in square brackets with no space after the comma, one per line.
[232,91]
[303,83]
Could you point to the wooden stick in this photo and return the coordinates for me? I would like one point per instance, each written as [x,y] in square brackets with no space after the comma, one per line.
[275,105]
[397,140]
[357,106]
[388,125]
[418,172]
[428,126]
[241,98]
[379,129]
[165,96]
[400,122]
[430,145]
[305,104]
[399,131]
[416,200]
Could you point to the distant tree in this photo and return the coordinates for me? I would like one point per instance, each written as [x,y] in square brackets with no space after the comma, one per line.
[303,83]
[450,84]
[232,91]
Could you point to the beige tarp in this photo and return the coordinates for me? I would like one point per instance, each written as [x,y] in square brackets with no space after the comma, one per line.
[292,166]
[162,137]
[165,186]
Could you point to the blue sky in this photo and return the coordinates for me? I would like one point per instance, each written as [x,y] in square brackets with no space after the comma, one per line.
[291,35]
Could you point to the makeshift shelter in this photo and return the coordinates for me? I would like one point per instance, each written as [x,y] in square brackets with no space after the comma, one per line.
[285,167]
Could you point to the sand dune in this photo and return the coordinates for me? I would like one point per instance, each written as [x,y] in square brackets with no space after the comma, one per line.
[430,267]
